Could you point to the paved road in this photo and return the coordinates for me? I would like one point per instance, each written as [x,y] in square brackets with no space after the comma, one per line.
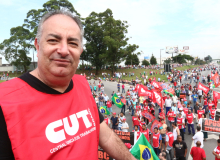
[209,144]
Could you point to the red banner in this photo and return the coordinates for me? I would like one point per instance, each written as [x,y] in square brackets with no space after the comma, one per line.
[155,124]
[149,116]
[158,98]
[156,85]
[137,87]
[216,95]
[203,87]
[216,79]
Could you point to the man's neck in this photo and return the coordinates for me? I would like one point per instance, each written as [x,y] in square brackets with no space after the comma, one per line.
[58,84]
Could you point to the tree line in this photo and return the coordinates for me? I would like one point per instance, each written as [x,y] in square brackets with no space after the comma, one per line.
[106,38]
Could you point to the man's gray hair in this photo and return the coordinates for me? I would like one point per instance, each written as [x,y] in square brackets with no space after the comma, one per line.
[57,12]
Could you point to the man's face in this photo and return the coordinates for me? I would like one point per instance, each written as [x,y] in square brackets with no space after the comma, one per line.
[155,131]
[60,46]
[179,139]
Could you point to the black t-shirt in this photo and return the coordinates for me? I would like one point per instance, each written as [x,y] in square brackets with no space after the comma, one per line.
[179,148]
[5,144]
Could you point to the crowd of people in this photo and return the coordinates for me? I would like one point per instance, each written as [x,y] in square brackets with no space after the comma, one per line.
[179,115]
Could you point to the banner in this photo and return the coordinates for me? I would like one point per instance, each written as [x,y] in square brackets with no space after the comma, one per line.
[216,79]
[181,51]
[216,95]
[203,88]
[145,93]
[155,124]
[169,49]
[158,98]
[102,155]
[126,137]
[156,85]
[186,47]
[136,89]
[149,116]
[209,125]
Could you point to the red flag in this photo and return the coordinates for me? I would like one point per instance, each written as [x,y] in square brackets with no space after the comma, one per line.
[158,98]
[155,124]
[203,87]
[216,95]
[149,116]
[156,85]
[137,87]
[144,92]
[216,79]
[171,90]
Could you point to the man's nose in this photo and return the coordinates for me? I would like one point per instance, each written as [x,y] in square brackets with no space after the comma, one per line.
[63,49]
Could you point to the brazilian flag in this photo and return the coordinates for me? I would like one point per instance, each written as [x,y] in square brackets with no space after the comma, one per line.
[117,101]
[142,150]
[104,110]
[165,91]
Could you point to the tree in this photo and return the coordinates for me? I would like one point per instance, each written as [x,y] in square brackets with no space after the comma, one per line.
[115,39]
[132,60]
[182,58]
[16,48]
[153,60]
[167,61]
[208,58]
[94,35]
[145,62]
[199,61]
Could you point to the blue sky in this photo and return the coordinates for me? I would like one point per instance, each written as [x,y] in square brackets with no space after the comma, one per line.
[153,24]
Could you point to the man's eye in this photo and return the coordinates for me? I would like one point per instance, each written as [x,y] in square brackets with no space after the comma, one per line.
[74,44]
[52,40]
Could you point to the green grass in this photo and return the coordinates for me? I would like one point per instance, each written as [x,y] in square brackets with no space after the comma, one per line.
[2,81]
[136,72]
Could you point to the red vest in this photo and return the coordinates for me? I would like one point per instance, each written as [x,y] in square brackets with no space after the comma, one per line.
[200,113]
[212,111]
[146,133]
[106,120]
[156,140]
[189,118]
[171,138]
[48,126]
[170,114]
[210,105]
[142,123]
[185,110]
[180,121]
[135,121]
[218,152]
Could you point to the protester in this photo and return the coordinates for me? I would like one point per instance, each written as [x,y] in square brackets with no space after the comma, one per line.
[114,121]
[124,126]
[190,117]
[176,131]
[169,144]
[180,149]
[197,152]
[156,141]
[44,99]
[216,151]
[198,136]
[181,125]
[107,121]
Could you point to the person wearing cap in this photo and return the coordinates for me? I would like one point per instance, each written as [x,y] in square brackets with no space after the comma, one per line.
[114,121]
[124,125]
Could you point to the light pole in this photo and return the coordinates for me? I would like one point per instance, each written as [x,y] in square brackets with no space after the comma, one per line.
[160,58]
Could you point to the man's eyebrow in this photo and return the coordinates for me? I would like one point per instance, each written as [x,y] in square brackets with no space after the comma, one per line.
[54,35]
[72,39]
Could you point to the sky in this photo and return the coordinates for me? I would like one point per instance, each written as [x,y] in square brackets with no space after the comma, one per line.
[153,24]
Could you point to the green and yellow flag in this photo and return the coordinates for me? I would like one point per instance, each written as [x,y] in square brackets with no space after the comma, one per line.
[117,101]
[104,110]
[143,150]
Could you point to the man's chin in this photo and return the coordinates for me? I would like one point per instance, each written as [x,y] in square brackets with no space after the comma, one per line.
[62,73]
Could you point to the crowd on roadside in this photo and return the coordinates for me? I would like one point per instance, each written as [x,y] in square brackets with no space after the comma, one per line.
[178,117]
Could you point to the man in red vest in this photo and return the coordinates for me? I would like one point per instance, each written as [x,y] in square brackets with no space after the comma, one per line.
[212,112]
[170,143]
[44,106]
[146,132]
[180,124]
[156,141]
[171,116]
[135,121]
[190,117]
[216,151]
[200,112]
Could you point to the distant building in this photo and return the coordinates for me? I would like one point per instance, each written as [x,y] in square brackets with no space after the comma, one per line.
[12,68]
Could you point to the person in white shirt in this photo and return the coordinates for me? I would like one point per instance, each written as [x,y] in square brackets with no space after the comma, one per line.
[174,98]
[198,136]
[199,95]
[124,126]
[168,103]
[120,120]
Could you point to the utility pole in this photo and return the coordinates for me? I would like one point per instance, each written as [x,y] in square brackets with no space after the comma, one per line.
[160,58]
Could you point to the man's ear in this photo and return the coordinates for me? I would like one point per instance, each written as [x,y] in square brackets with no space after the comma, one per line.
[36,45]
